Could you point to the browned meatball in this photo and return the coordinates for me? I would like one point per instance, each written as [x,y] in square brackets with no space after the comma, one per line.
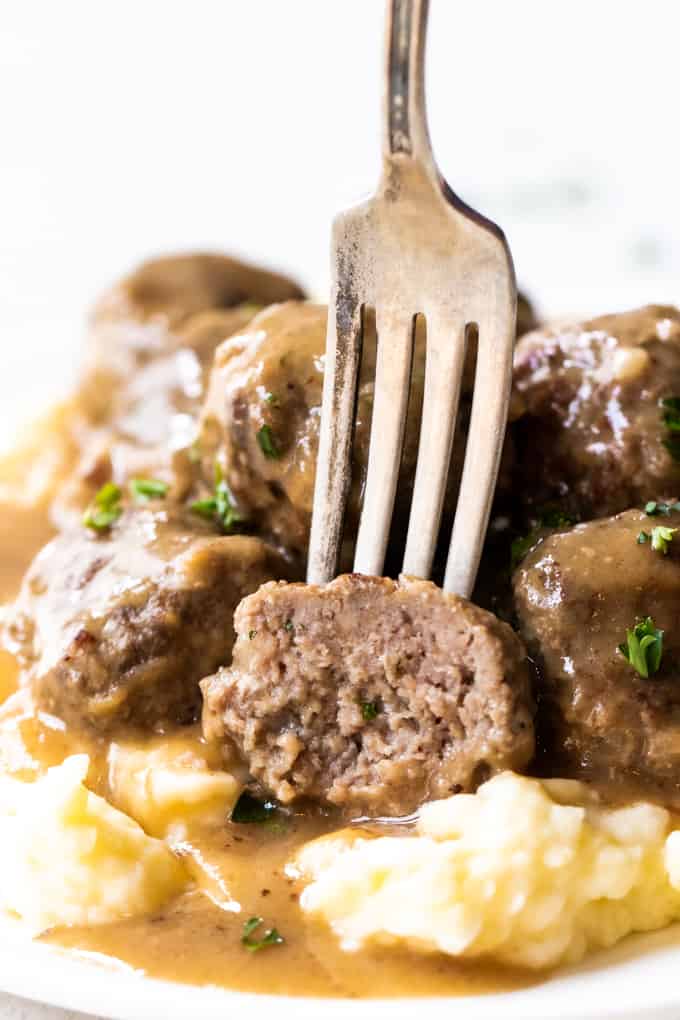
[371,694]
[577,593]
[591,432]
[261,421]
[149,312]
[120,627]
[151,344]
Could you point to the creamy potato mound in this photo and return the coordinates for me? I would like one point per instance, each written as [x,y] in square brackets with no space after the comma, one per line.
[68,857]
[170,784]
[527,872]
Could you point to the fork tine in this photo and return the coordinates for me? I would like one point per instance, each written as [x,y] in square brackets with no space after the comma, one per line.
[484,447]
[333,470]
[445,354]
[390,403]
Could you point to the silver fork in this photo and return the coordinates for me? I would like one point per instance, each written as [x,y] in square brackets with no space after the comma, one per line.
[413,248]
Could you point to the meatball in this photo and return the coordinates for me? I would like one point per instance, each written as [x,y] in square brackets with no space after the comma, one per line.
[149,313]
[261,418]
[371,694]
[151,345]
[591,431]
[119,628]
[577,594]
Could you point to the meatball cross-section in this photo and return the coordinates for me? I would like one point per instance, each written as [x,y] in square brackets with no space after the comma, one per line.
[370,694]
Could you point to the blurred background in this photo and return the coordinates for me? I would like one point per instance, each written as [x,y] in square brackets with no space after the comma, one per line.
[144,126]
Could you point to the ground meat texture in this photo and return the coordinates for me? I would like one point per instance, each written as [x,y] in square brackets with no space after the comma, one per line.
[120,628]
[150,348]
[576,594]
[370,694]
[261,422]
[590,432]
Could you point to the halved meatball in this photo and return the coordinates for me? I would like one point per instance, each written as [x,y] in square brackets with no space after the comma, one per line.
[590,431]
[371,694]
[151,345]
[577,594]
[120,628]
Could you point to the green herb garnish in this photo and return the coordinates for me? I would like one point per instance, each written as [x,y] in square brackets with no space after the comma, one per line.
[548,517]
[553,517]
[220,506]
[288,625]
[521,546]
[272,399]
[671,420]
[671,413]
[270,938]
[661,537]
[643,647]
[105,508]
[654,509]
[251,634]
[144,489]
[267,443]
[369,710]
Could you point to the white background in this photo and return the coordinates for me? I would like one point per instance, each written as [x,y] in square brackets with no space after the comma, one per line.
[139,126]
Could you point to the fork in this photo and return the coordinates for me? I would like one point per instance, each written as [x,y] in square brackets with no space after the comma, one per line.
[414,248]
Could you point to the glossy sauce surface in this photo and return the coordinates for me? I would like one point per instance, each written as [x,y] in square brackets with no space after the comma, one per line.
[238,871]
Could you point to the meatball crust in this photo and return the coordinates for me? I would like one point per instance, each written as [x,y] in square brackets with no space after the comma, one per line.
[261,419]
[150,348]
[590,431]
[370,694]
[119,628]
[577,593]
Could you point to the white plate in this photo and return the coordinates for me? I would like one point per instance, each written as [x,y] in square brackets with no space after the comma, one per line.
[638,979]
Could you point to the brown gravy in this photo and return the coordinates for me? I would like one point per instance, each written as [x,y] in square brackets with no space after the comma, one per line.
[197,938]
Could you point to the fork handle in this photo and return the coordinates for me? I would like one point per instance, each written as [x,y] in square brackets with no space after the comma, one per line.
[406,132]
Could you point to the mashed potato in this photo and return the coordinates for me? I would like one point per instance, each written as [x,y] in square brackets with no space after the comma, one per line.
[531,873]
[68,857]
[170,784]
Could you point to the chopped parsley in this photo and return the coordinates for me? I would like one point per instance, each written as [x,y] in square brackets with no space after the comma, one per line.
[144,489]
[252,634]
[643,647]
[289,626]
[267,443]
[661,537]
[521,546]
[270,938]
[549,517]
[105,508]
[670,417]
[553,517]
[654,509]
[369,710]
[671,413]
[248,810]
[220,506]
[272,399]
